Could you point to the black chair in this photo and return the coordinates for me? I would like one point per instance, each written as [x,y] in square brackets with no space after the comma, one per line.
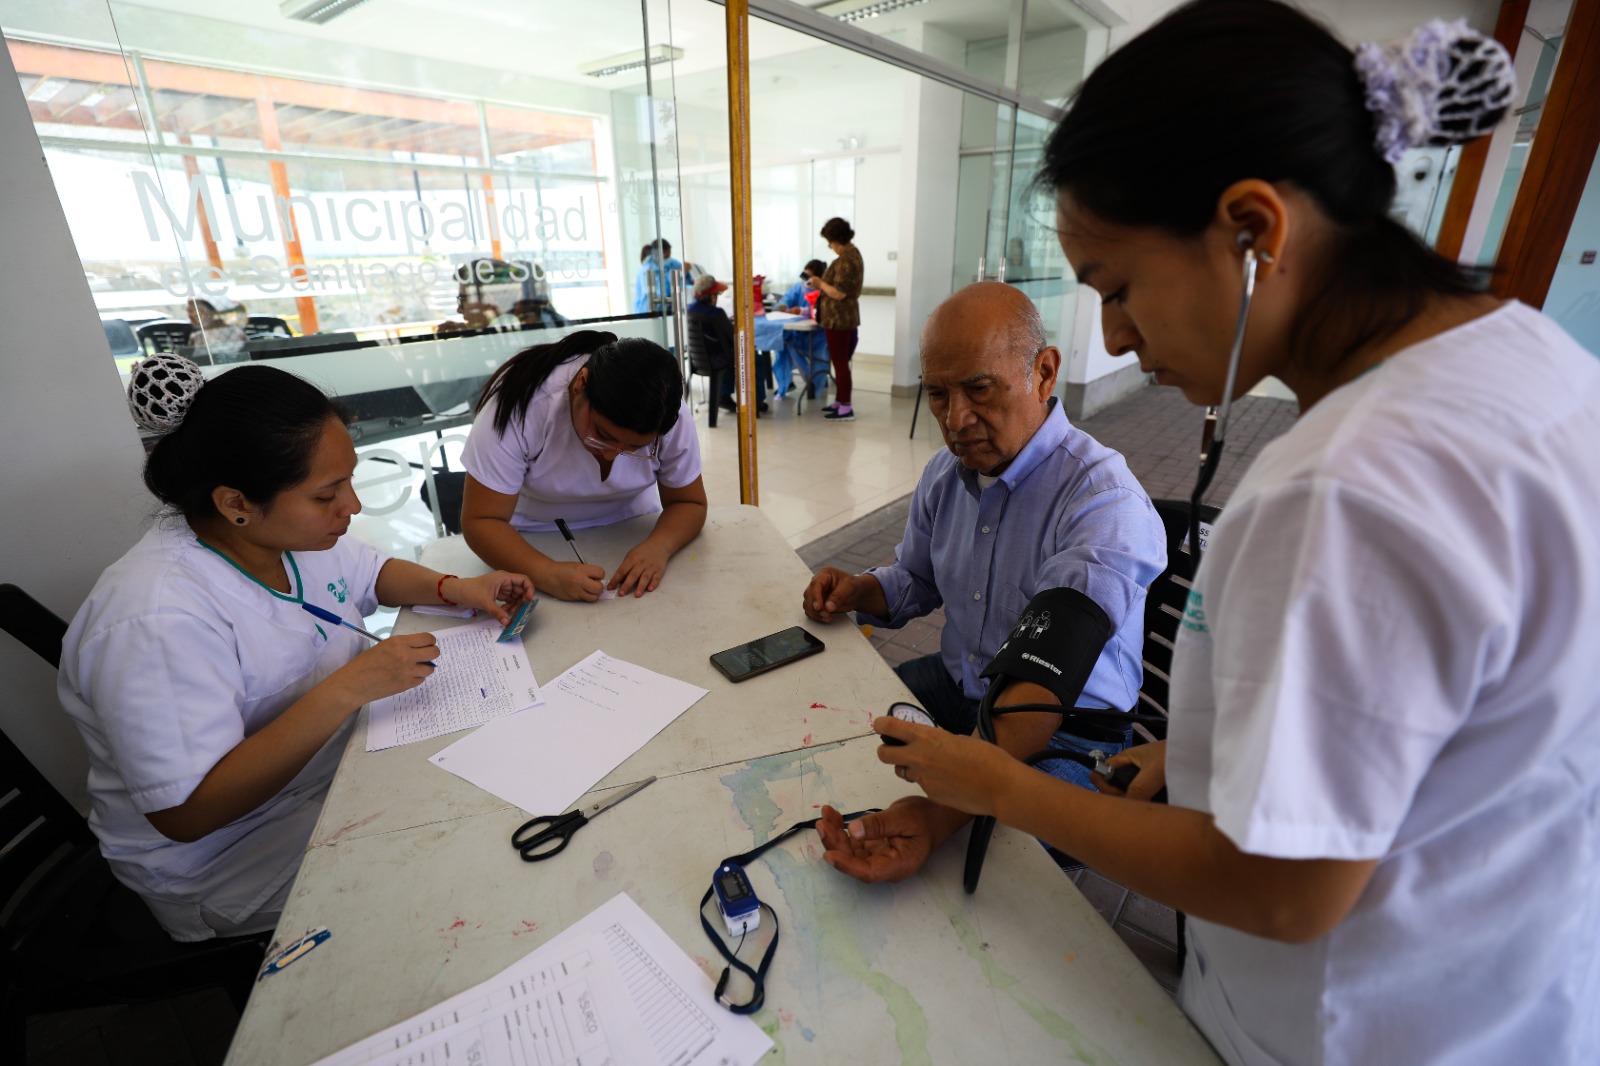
[166,335]
[260,327]
[706,359]
[73,936]
[1164,605]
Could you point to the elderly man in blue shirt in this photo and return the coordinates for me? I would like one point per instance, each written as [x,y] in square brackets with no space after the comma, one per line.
[1020,504]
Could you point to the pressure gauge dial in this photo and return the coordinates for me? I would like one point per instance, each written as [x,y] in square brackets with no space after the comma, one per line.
[908,712]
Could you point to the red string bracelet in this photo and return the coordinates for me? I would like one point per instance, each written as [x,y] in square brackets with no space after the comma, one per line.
[439,590]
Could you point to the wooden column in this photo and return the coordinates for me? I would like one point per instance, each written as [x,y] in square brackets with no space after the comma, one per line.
[1558,164]
[738,22]
[1469,167]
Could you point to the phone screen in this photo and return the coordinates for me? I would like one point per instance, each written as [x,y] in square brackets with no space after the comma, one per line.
[759,656]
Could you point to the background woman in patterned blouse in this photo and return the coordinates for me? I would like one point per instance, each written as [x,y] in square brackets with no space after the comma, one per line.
[839,312]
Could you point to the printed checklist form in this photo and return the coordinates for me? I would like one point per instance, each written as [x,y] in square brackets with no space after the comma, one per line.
[477,681]
[612,988]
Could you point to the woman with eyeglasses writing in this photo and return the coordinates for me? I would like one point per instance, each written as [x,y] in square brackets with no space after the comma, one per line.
[591,430]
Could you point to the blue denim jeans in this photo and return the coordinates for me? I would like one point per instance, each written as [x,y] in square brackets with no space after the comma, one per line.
[942,698]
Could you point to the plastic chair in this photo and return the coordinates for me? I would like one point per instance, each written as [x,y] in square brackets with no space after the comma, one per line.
[165,335]
[705,360]
[73,936]
[1164,605]
[260,327]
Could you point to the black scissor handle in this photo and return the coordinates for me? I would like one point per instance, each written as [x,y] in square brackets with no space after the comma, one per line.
[555,829]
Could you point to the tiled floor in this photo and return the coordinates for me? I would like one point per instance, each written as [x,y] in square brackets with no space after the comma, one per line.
[1159,434]
[839,494]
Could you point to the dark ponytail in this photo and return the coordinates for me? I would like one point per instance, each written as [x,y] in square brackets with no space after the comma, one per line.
[633,382]
[254,428]
[1220,91]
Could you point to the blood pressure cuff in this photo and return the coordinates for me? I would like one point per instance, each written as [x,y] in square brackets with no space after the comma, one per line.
[1055,644]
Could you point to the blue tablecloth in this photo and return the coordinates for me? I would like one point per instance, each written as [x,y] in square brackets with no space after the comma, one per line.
[793,350]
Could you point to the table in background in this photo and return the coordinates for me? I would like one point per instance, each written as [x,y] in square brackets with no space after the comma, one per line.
[798,344]
[412,870]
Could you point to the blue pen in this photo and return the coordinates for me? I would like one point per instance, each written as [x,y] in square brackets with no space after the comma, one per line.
[328,616]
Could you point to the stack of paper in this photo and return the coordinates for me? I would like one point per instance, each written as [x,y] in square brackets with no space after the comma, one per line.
[611,988]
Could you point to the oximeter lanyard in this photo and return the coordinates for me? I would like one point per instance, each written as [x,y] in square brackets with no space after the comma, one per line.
[758,974]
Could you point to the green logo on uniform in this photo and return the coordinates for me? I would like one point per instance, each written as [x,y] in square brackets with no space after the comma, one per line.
[341,591]
[1194,615]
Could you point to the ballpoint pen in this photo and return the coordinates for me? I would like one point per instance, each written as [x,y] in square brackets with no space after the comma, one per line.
[328,616]
[565,532]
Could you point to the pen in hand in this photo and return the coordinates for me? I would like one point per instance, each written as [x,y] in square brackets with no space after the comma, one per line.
[565,532]
[328,616]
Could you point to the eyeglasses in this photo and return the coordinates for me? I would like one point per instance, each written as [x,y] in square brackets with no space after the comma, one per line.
[648,451]
[593,443]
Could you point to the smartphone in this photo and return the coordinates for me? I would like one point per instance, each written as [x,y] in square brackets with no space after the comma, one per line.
[767,653]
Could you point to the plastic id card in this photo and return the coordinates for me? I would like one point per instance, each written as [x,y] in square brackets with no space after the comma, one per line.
[519,622]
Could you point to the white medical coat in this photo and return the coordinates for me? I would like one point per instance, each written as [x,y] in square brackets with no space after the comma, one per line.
[173,660]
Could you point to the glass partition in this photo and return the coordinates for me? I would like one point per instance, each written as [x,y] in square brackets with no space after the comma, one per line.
[389,203]
[243,185]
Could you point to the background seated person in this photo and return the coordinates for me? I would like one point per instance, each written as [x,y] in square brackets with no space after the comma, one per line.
[720,343]
[592,430]
[1021,503]
[219,328]
[794,298]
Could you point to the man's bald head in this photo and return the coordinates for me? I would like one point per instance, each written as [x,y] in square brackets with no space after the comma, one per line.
[988,371]
[980,315]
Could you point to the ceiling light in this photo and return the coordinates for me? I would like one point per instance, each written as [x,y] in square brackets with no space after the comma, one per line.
[317,11]
[658,53]
[872,11]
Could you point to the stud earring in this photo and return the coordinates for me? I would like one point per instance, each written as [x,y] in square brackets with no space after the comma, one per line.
[240,520]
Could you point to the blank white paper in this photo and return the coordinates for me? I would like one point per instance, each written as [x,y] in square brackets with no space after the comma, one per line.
[594,716]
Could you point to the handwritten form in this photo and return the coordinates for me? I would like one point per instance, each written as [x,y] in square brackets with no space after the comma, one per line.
[613,988]
[477,681]
[594,716]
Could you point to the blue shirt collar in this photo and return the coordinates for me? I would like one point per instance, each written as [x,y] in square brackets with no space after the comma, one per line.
[1044,441]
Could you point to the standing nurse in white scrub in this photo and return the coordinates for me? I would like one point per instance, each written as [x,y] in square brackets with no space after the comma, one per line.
[214,707]
[591,430]
[1384,749]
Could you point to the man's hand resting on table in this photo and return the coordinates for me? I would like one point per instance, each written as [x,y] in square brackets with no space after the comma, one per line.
[890,845]
[834,592]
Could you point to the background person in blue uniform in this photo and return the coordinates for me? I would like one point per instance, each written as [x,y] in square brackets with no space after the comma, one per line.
[656,258]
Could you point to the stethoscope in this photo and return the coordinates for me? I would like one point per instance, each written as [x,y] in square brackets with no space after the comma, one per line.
[1216,423]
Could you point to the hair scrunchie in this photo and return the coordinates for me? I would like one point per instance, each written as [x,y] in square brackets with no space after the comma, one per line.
[1444,84]
[161,389]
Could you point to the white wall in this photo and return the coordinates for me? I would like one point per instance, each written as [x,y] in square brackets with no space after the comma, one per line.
[70,481]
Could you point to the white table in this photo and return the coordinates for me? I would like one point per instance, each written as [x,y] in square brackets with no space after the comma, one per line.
[413,872]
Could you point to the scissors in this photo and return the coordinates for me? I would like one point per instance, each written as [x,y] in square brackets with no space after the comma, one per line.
[531,840]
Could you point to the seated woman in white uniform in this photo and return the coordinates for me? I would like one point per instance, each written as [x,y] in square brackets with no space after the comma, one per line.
[591,430]
[213,706]
[1384,751]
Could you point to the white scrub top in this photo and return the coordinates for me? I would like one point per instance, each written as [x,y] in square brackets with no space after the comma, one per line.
[1390,653]
[173,660]
[541,460]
